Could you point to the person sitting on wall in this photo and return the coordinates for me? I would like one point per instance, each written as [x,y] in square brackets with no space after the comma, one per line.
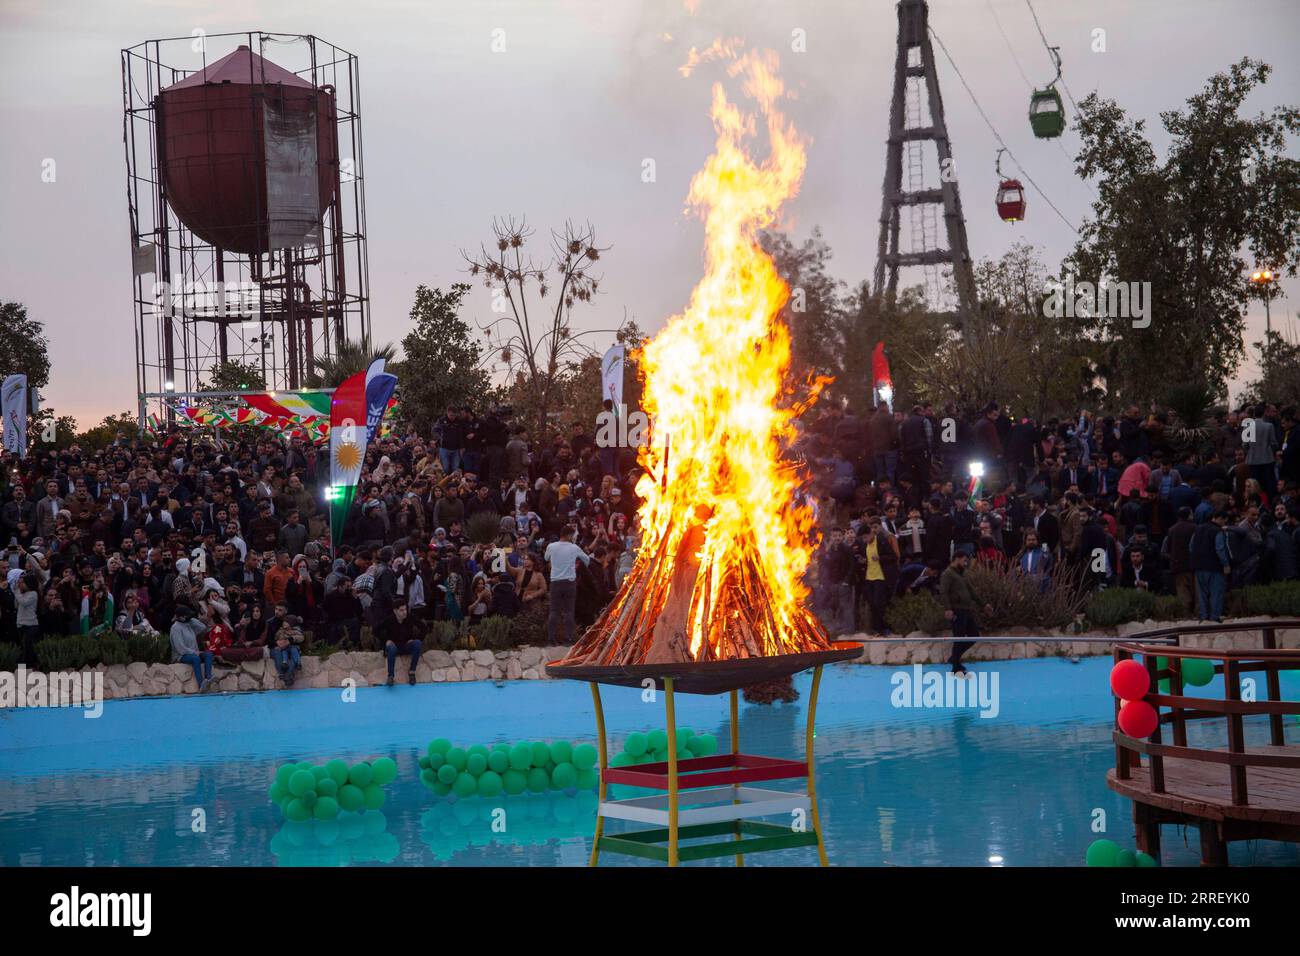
[399,636]
[287,657]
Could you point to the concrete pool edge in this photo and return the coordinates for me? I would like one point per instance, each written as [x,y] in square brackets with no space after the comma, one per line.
[368,668]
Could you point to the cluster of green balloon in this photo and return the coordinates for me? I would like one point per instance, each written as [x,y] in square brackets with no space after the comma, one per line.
[352,838]
[305,791]
[1109,853]
[528,819]
[525,767]
[639,748]
[1197,672]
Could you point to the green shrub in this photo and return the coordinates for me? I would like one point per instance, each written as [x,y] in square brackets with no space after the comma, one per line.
[1169,607]
[493,633]
[916,612]
[149,648]
[114,650]
[1116,606]
[9,654]
[1020,600]
[444,634]
[1280,599]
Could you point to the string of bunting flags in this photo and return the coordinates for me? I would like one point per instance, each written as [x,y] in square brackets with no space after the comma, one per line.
[294,414]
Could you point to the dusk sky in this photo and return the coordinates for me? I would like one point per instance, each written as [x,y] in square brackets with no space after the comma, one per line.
[557,127]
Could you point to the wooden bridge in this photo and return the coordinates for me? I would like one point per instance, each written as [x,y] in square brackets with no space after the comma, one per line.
[1234,792]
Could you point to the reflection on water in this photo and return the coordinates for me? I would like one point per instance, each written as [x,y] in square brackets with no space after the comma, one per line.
[170,783]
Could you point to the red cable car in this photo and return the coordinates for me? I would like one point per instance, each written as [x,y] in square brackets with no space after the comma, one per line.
[1011,196]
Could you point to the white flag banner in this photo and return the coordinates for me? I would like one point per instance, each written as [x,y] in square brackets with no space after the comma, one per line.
[144,259]
[611,375]
[13,406]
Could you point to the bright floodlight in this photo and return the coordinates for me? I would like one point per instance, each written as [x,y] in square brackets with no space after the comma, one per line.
[977,469]
[886,393]
[169,385]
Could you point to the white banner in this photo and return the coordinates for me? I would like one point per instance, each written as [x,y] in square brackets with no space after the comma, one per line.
[292,190]
[13,406]
[611,375]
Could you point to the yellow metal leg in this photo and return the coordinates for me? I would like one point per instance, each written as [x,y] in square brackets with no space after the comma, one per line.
[604,765]
[735,749]
[672,771]
[812,770]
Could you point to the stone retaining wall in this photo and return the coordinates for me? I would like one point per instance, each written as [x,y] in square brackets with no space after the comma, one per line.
[367,668]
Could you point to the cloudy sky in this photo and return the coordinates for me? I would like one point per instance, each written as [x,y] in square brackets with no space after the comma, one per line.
[558,125]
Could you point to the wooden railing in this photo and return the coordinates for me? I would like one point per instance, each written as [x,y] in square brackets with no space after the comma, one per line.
[1177,708]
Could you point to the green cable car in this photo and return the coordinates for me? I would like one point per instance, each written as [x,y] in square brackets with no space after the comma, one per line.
[1046,111]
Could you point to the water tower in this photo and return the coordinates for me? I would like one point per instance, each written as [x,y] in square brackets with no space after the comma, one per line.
[247,210]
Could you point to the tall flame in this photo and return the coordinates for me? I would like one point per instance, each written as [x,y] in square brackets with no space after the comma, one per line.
[726,538]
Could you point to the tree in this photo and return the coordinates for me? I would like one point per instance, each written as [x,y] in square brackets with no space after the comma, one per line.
[537,343]
[349,358]
[443,365]
[815,311]
[1183,225]
[24,350]
[1279,381]
[105,433]
[234,376]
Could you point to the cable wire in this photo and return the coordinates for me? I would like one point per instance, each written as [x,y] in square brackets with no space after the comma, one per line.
[997,135]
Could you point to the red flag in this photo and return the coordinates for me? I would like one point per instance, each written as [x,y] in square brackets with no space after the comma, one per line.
[880,367]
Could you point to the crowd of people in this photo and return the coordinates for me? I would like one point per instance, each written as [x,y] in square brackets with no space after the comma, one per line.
[1127,501]
[223,543]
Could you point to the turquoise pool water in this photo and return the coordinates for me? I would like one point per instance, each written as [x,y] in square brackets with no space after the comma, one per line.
[897,786]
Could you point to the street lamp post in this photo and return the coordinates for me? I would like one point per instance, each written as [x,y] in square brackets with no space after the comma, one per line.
[1264,279]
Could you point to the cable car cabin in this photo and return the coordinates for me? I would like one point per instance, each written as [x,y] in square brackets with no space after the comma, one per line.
[1011,201]
[1046,113]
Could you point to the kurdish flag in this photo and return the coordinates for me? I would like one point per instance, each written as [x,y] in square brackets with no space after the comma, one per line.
[347,449]
[85,610]
[303,404]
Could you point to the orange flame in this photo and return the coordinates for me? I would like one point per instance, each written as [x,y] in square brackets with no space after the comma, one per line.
[716,391]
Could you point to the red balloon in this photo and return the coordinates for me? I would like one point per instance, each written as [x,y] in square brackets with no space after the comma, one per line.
[1129,680]
[1137,718]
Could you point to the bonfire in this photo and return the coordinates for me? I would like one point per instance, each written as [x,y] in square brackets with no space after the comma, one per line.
[726,534]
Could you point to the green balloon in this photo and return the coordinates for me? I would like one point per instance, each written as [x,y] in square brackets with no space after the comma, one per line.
[327,808]
[436,761]
[475,764]
[319,772]
[635,744]
[338,771]
[465,785]
[384,770]
[373,796]
[1146,859]
[499,761]
[423,761]
[457,758]
[541,754]
[623,759]
[1126,858]
[278,792]
[327,788]
[1162,663]
[301,782]
[683,733]
[309,798]
[657,740]
[427,777]
[441,789]
[439,746]
[447,774]
[351,797]
[1102,853]
[538,780]
[564,776]
[283,774]
[1197,672]
[588,779]
[708,745]
[521,757]
[514,781]
[1164,685]
[477,749]
[361,774]
[584,756]
[297,811]
[489,784]
[562,751]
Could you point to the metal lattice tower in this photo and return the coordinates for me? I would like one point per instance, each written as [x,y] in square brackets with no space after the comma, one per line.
[916,118]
